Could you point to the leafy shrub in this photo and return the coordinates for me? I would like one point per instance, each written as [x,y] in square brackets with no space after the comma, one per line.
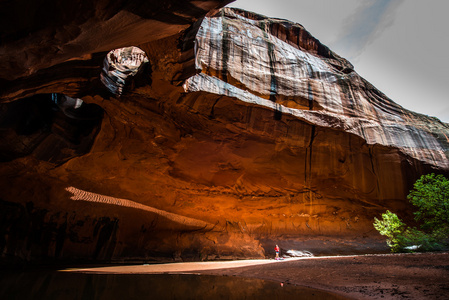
[393,228]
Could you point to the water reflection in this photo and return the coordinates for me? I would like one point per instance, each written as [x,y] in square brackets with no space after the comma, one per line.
[65,285]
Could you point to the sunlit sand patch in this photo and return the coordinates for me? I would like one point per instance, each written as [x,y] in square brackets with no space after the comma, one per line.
[81,195]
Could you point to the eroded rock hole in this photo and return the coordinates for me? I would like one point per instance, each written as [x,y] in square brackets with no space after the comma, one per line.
[51,127]
[124,69]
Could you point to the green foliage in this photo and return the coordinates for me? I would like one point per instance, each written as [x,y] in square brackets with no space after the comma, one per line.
[425,241]
[393,228]
[431,197]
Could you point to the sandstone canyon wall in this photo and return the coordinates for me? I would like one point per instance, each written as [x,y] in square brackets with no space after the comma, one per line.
[240,131]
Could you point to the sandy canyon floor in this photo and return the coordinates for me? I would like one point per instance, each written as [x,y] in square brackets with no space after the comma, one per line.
[390,276]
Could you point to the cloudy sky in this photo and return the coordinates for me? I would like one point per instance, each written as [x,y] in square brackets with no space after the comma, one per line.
[400,46]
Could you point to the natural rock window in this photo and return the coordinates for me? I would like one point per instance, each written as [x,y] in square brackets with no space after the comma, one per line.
[121,66]
[77,109]
[51,127]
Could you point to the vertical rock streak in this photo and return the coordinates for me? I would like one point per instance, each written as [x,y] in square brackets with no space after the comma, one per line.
[326,91]
[225,50]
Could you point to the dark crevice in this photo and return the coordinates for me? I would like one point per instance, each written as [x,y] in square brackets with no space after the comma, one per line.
[309,154]
[106,230]
[212,111]
[278,112]
[371,156]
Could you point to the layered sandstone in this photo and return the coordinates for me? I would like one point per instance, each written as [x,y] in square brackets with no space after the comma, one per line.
[284,69]
[242,130]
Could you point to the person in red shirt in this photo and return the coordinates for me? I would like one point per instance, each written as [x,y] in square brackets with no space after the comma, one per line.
[276,249]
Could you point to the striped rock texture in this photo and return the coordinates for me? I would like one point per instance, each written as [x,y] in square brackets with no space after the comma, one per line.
[240,133]
[277,64]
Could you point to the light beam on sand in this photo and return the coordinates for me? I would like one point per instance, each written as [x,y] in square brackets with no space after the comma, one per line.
[192,267]
[176,268]
[81,195]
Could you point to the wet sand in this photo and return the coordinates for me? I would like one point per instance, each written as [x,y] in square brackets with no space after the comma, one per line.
[388,276]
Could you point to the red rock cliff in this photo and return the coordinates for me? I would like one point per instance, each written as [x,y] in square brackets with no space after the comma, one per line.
[240,130]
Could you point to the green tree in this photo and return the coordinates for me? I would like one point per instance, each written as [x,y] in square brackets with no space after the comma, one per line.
[430,195]
[393,228]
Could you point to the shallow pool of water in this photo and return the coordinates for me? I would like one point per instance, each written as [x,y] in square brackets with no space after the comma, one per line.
[46,284]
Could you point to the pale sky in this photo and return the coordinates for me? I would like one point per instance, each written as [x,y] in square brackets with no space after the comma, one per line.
[398,45]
